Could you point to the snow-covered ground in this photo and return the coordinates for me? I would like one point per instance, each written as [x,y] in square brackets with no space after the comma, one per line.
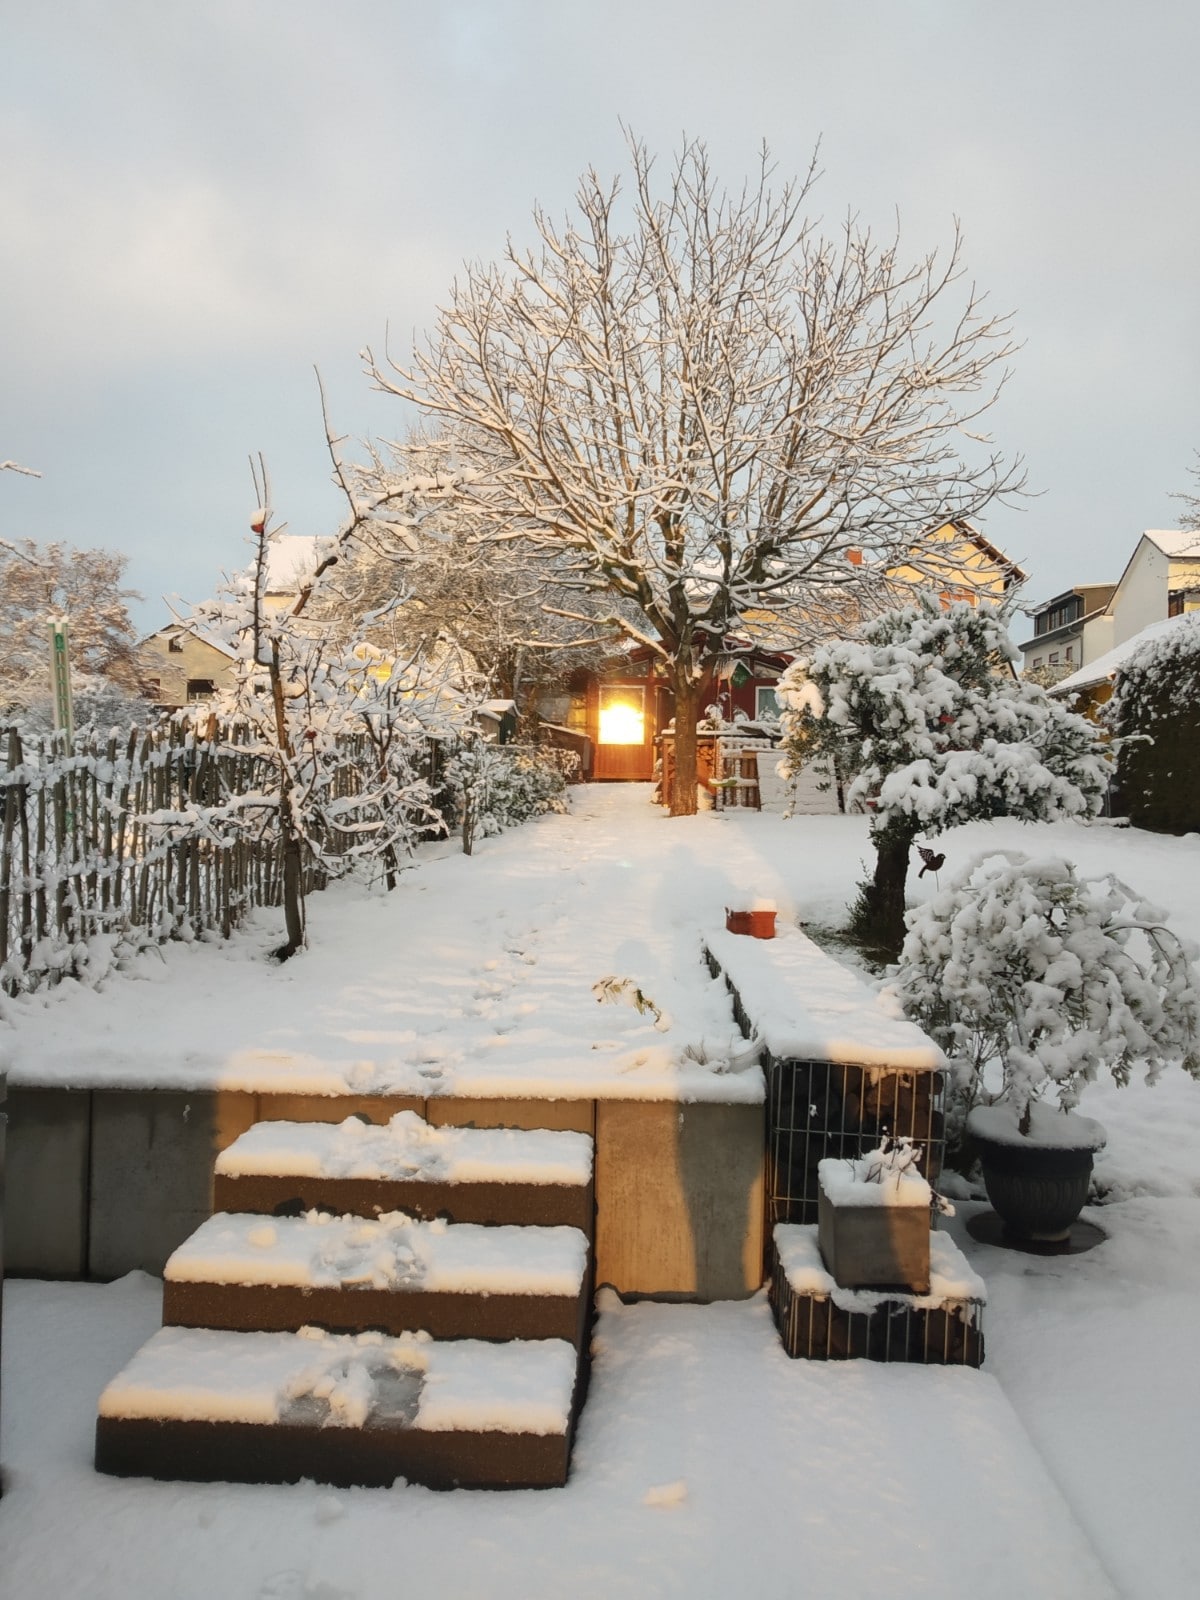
[707,1463]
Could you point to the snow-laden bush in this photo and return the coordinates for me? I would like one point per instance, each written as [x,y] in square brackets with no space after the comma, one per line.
[500,786]
[1034,980]
[1155,718]
[922,717]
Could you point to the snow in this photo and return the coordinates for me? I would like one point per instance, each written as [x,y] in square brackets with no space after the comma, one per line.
[318,1251]
[410,1149]
[707,1463]
[1050,1128]
[951,1277]
[1110,663]
[198,1375]
[1178,543]
[799,1477]
[861,1183]
[807,1006]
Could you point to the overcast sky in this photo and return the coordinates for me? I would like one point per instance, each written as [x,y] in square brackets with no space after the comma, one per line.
[201,201]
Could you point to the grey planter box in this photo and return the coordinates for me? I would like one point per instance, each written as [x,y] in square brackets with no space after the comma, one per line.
[873,1246]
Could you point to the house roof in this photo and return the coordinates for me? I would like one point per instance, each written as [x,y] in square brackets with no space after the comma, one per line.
[1064,629]
[1177,544]
[1083,590]
[205,636]
[993,552]
[1108,665]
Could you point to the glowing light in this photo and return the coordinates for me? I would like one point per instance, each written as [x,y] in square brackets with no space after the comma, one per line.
[622,724]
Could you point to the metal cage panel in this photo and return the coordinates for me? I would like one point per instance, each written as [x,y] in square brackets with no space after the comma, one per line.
[820,1109]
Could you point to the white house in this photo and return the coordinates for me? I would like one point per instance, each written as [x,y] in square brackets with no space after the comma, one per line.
[1162,579]
[1070,630]
[1073,630]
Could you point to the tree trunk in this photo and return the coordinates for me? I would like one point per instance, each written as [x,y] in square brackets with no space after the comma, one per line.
[878,918]
[682,797]
[293,874]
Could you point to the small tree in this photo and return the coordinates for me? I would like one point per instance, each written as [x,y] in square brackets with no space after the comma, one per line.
[1050,977]
[303,696]
[923,715]
[703,408]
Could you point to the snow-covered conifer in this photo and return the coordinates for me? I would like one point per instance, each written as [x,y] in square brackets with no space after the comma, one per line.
[929,728]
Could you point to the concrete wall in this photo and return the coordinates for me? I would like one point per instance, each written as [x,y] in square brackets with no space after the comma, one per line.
[679,1199]
[102,1182]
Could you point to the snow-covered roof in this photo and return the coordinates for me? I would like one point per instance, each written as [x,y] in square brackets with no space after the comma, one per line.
[205,635]
[291,558]
[1110,663]
[1178,544]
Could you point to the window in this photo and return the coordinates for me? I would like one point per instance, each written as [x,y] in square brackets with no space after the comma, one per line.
[1070,652]
[199,689]
[622,715]
[1054,658]
[1058,616]
[1175,603]
[175,644]
[1037,661]
[766,702]
[153,688]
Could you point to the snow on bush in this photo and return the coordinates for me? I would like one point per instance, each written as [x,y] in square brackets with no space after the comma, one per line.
[500,786]
[1051,977]
[1155,717]
[924,720]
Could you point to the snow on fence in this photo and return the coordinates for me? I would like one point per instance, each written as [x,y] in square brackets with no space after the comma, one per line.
[163,834]
[169,833]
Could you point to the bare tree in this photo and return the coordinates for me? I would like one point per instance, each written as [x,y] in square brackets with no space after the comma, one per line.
[38,582]
[1189,517]
[706,409]
[421,571]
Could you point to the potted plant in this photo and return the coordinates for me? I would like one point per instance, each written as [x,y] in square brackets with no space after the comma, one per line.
[1034,980]
[873,1219]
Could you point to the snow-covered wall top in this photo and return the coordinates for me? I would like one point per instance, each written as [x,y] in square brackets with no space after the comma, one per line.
[807,1006]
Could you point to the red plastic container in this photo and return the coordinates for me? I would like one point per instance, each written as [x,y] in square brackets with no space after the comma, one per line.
[758,924]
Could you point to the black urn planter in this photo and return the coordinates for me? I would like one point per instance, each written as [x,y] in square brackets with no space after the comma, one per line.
[1037,1187]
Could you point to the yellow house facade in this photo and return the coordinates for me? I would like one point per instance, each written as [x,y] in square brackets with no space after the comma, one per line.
[961,564]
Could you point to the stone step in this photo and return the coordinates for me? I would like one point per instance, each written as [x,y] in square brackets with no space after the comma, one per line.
[200,1406]
[818,1320]
[453,1280]
[487,1175]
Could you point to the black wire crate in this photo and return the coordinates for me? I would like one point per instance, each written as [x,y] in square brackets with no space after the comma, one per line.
[814,1327]
[821,1109]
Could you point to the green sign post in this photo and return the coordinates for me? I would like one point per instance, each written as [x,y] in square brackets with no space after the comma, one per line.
[60,678]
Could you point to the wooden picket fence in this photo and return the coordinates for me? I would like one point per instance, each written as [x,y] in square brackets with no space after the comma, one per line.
[163,834]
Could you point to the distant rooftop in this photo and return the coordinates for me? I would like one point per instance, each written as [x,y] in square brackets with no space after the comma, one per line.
[1110,663]
[1175,543]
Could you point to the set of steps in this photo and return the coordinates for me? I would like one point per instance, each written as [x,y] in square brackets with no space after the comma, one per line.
[370,1303]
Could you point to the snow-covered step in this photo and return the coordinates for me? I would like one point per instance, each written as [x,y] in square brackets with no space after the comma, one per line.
[499,1175]
[277,1407]
[822,1321]
[455,1280]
